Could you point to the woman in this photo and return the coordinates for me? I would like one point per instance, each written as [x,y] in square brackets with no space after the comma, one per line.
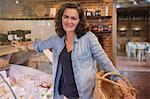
[74,50]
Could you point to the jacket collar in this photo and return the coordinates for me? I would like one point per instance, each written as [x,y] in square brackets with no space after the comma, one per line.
[76,40]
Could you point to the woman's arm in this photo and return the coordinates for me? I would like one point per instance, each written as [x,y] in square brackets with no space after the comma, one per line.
[100,55]
[37,45]
[105,63]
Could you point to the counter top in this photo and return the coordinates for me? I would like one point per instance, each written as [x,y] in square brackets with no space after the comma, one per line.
[7,49]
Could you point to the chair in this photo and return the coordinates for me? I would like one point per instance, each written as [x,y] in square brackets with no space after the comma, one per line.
[140,51]
[131,49]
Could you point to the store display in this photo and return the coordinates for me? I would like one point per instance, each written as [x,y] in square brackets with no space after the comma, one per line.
[19,35]
[26,83]
[95,28]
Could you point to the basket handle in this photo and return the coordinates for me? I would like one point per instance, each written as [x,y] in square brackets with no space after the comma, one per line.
[113,82]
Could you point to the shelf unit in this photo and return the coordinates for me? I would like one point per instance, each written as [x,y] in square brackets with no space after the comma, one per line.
[28,18]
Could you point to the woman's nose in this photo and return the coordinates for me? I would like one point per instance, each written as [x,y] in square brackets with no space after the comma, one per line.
[69,20]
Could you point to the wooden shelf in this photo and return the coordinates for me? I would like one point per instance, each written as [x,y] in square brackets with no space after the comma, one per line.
[98,17]
[102,33]
[48,18]
[32,18]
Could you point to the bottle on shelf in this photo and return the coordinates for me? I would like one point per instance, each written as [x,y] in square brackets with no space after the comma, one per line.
[97,13]
[107,9]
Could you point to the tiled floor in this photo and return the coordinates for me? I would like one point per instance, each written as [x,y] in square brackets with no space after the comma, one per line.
[138,74]
[123,63]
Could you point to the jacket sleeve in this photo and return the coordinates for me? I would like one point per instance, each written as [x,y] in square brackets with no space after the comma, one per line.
[39,45]
[100,55]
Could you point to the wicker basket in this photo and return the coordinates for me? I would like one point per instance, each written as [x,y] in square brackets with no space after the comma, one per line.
[108,89]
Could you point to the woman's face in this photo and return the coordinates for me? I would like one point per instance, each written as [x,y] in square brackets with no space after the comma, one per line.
[70,19]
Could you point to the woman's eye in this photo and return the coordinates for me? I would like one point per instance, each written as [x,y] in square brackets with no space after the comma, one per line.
[73,18]
[65,17]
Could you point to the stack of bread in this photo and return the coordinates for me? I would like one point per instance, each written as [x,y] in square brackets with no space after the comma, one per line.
[4,92]
[4,65]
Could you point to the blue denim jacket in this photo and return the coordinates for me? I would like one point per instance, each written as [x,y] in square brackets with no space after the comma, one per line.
[86,50]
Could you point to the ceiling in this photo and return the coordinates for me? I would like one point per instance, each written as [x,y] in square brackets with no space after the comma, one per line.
[133,7]
[139,7]
[132,3]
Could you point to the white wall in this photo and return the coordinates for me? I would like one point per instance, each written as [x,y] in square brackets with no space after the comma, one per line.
[39,28]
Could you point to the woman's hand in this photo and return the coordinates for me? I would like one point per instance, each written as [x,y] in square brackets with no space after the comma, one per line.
[129,96]
[18,45]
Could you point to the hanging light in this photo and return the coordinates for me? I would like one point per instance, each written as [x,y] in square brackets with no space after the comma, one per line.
[135,2]
[17,1]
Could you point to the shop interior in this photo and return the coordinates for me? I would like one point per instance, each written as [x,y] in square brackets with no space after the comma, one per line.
[122,28]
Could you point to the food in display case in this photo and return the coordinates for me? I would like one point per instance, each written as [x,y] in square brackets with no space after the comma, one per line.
[26,83]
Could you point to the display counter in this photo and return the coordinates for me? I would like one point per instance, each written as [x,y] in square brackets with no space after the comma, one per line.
[27,83]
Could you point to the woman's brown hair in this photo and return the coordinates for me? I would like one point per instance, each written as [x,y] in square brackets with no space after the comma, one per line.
[82,27]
